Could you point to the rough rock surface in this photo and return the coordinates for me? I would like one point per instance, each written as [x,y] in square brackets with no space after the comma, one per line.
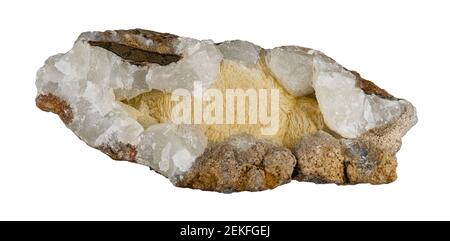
[369,158]
[240,163]
[113,90]
[320,159]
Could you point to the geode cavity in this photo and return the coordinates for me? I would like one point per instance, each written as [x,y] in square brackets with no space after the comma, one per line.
[116,91]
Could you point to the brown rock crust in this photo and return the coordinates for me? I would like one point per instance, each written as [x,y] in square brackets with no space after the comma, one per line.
[122,152]
[369,158]
[245,163]
[320,159]
[371,88]
[232,166]
[52,103]
[135,55]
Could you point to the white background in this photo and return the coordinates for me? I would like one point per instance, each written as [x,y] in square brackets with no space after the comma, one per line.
[46,172]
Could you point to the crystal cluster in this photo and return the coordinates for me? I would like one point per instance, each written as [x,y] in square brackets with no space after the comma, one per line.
[340,127]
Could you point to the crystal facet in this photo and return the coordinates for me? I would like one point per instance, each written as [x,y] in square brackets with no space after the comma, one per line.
[115,90]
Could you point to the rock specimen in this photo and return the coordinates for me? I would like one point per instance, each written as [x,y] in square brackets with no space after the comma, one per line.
[240,163]
[289,113]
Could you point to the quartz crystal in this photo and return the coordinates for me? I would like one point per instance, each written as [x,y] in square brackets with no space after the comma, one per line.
[113,89]
[293,67]
[242,52]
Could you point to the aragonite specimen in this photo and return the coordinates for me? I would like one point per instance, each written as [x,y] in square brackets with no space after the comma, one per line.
[227,116]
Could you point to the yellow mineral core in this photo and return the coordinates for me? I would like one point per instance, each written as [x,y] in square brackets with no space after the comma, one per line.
[298,116]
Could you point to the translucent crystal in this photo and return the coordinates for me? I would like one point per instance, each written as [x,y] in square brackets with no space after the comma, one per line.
[85,78]
[345,107]
[293,67]
[242,52]
[92,81]
[200,62]
[170,149]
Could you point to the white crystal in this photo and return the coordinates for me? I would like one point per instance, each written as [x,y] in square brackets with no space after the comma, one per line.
[242,52]
[346,109]
[183,159]
[170,149]
[200,62]
[92,80]
[242,142]
[85,77]
[293,68]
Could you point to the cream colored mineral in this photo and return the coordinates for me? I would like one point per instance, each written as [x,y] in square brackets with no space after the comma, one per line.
[114,90]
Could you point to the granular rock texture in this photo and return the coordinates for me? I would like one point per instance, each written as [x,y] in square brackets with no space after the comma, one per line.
[240,163]
[320,159]
[118,92]
[369,158]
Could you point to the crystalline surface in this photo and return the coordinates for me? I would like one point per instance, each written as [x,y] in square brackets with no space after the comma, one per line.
[200,62]
[243,52]
[345,107]
[103,69]
[90,79]
[85,78]
[170,149]
[242,142]
[293,67]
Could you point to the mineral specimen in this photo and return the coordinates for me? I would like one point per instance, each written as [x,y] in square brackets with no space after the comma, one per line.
[227,116]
